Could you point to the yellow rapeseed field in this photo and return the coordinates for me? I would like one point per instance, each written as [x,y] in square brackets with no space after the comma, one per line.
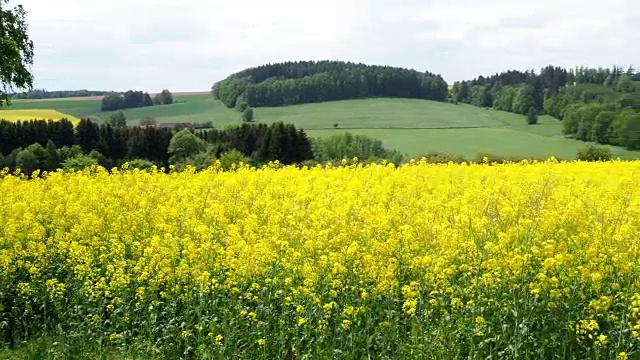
[35,114]
[530,260]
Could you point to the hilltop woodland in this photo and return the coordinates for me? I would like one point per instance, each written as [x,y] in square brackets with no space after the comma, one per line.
[303,82]
[598,105]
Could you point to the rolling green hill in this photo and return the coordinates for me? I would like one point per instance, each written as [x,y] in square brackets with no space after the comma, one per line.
[412,126]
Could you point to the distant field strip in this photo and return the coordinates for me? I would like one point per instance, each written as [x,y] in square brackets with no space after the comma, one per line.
[35,114]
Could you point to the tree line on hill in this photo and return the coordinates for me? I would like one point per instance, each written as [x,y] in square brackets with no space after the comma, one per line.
[44,94]
[133,99]
[599,105]
[302,82]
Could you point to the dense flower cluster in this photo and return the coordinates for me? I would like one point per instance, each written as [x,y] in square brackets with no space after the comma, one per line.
[538,260]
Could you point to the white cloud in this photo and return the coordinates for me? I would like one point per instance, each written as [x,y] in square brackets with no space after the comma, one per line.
[153,44]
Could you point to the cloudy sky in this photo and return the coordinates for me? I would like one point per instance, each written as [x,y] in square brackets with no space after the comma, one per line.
[187,46]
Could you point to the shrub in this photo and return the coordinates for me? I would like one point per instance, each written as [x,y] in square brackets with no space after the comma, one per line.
[79,162]
[233,157]
[348,146]
[141,164]
[532,116]
[205,125]
[101,159]
[443,158]
[148,121]
[310,163]
[247,114]
[593,152]
[184,144]
[497,158]
[31,158]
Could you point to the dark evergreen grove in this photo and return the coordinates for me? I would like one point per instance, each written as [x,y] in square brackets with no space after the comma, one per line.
[302,82]
[115,144]
[261,142]
[599,105]
[46,144]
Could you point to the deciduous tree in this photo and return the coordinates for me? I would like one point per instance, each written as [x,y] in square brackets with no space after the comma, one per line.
[148,121]
[52,160]
[16,51]
[166,97]
[146,100]
[532,116]
[625,84]
[247,114]
[31,158]
[119,119]
[184,144]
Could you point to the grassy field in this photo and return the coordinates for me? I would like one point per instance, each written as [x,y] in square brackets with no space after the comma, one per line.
[392,114]
[414,127]
[471,142]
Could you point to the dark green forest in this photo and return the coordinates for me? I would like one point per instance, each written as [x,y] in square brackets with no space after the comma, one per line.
[600,105]
[303,82]
[49,145]
[113,144]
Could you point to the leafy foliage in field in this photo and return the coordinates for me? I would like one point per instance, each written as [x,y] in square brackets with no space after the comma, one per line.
[349,146]
[423,261]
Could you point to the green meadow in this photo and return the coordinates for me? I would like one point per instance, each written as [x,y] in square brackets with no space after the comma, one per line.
[414,127]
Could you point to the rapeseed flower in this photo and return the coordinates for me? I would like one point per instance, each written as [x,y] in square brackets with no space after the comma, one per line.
[389,253]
